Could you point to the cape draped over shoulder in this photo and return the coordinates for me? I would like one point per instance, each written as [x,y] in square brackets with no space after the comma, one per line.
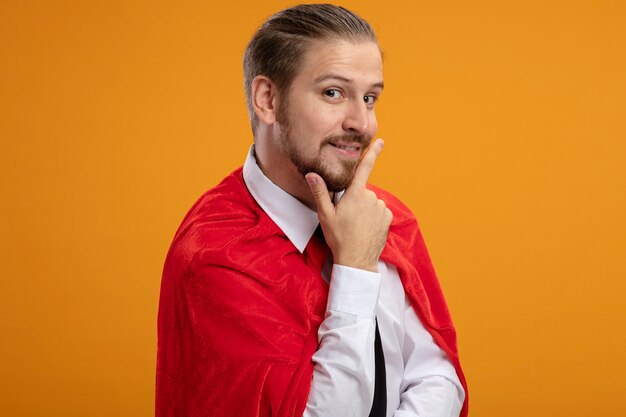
[240,309]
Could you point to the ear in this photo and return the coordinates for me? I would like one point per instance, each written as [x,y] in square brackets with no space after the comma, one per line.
[264,99]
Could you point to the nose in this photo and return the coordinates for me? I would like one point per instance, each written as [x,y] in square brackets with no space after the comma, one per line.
[359,118]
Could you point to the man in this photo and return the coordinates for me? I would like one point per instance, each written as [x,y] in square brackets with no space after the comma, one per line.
[264,314]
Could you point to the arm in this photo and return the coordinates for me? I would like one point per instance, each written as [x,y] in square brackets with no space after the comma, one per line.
[430,386]
[343,378]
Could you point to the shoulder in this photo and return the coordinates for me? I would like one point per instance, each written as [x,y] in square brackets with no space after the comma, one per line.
[220,220]
[402,215]
[404,233]
[228,205]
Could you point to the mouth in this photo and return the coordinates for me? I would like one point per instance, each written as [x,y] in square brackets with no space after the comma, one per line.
[347,148]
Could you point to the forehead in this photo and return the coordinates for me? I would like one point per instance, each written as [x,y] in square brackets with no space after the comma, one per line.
[359,61]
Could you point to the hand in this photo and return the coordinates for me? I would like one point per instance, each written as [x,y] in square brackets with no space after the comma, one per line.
[356,228]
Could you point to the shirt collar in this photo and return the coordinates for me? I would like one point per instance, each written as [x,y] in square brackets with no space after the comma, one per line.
[296,220]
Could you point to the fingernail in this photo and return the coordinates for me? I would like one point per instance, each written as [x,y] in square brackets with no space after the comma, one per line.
[311,179]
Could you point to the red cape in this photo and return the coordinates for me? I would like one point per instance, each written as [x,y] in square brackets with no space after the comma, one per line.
[240,309]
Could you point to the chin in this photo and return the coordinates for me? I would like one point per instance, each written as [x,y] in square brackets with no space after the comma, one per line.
[336,183]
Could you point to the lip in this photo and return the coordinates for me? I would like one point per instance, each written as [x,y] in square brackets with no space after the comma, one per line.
[349,149]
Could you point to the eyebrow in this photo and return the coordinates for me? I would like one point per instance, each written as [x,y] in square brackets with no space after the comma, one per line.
[325,77]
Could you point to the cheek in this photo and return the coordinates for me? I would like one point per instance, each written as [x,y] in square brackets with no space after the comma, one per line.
[321,124]
[329,121]
[317,119]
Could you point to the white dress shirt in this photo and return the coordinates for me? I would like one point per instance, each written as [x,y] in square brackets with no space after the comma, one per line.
[421,381]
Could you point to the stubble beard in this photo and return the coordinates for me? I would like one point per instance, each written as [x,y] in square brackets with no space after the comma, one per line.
[336,180]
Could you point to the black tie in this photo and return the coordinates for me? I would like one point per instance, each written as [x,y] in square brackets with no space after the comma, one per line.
[379,406]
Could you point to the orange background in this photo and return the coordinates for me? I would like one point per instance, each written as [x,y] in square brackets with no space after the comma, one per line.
[505,132]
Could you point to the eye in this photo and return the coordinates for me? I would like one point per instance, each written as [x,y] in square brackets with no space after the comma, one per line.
[332,93]
[370,99]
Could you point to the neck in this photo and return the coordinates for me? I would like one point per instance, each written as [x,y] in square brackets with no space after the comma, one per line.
[284,175]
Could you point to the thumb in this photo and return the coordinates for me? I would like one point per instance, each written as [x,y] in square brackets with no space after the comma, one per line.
[320,194]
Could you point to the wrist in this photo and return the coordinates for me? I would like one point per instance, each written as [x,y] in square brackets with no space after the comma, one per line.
[365,265]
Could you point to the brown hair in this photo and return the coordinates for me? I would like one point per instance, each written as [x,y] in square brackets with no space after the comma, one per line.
[277,48]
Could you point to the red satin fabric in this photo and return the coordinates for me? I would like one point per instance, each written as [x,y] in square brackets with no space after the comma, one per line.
[240,308]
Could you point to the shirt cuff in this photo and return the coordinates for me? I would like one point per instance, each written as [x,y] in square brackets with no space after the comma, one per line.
[354,291]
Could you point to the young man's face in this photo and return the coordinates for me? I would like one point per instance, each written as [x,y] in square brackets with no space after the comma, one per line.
[327,116]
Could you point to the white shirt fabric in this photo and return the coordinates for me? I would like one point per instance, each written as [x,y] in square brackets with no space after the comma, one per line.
[421,381]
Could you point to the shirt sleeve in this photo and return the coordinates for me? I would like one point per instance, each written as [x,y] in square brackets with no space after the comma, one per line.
[430,385]
[343,376]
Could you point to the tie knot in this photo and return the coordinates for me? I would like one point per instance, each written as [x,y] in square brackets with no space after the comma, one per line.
[317,250]
[319,233]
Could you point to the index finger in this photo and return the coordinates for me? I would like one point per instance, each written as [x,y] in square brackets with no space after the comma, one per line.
[364,169]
